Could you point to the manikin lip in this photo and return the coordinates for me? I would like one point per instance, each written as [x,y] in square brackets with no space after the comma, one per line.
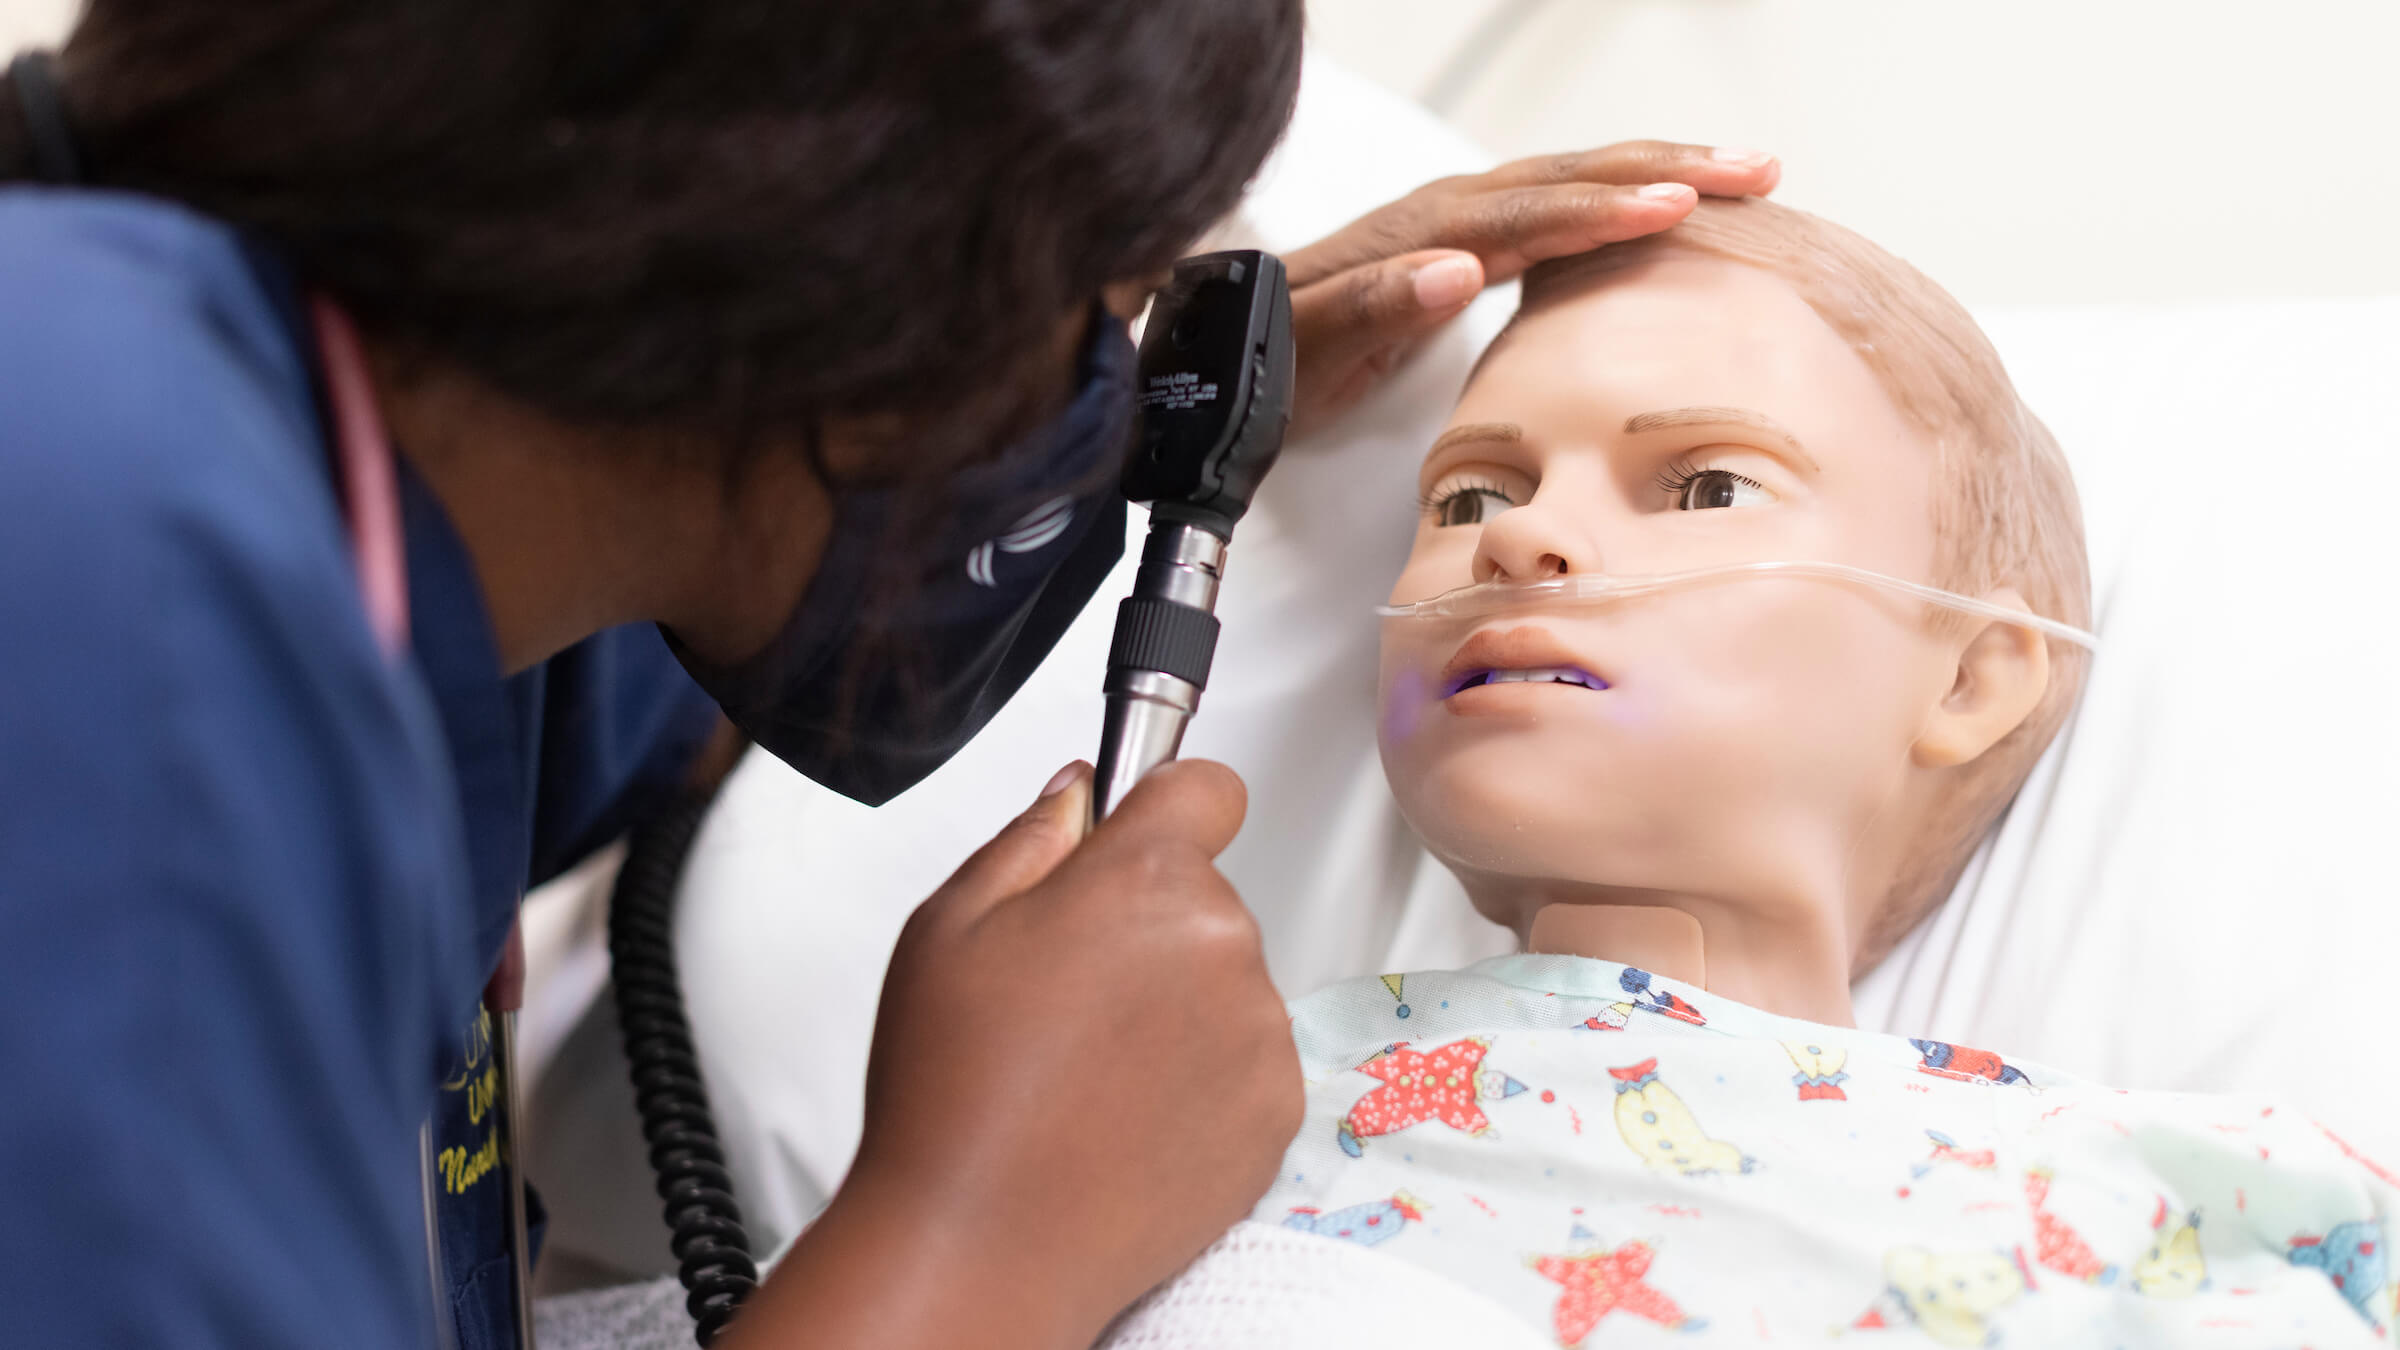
[1515,649]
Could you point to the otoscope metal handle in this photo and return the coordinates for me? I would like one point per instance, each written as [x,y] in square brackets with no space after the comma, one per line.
[1165,641]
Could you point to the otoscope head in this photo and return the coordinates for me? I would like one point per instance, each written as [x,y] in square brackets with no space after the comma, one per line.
[1216,389]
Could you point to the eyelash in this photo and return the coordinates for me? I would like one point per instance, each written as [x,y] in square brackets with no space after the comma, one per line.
[1451,489]
[1680,473]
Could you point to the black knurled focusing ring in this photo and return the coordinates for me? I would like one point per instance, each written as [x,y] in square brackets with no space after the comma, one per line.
[1164,636]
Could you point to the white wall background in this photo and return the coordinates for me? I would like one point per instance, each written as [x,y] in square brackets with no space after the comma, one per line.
[2034,151]
[25,22]
[2039,150]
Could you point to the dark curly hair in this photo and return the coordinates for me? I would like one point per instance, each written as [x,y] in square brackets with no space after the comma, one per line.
[739,219]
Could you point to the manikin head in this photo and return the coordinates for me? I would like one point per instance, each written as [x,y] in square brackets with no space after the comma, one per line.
[1782,775]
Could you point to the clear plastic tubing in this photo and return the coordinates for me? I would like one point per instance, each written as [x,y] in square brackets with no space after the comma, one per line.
[1496,597]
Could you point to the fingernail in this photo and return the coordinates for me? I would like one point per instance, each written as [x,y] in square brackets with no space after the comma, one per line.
[1059,781]
[1452,281]
[1726,154]
[1664,192]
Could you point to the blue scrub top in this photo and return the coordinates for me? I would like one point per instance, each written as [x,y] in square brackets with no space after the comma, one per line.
[253,875]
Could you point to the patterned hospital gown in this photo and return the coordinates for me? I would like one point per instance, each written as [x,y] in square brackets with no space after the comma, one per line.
[1621,1160]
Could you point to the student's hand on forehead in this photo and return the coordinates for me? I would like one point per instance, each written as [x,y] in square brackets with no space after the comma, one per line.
[1366,295]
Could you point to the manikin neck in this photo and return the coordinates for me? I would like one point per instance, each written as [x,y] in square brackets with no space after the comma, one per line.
[1793,961]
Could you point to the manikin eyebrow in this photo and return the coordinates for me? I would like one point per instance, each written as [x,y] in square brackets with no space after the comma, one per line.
[1692,417]
[1464,433]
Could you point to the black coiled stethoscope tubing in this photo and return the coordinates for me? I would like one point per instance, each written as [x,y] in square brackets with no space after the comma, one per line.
[712,1250]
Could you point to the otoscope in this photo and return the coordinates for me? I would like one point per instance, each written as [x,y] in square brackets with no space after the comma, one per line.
[1216,393]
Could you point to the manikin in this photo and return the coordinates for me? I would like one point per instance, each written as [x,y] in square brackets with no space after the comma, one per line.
[1788,776]
[1706,807]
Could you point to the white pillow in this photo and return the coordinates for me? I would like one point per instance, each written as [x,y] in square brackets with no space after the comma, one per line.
[2189,893]
[2194,890]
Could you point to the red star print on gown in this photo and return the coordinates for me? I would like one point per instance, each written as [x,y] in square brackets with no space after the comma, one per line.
[2055,1245]
[1418,1086]
[1594,1286]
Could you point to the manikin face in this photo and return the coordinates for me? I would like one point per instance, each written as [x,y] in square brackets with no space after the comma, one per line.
[1752,741]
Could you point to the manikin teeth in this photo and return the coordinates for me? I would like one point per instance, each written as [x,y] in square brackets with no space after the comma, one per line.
[1544,675]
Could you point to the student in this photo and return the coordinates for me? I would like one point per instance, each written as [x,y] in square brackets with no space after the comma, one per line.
[397,401]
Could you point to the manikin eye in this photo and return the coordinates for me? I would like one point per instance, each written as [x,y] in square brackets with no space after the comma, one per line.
[1703,489]
[1469,506]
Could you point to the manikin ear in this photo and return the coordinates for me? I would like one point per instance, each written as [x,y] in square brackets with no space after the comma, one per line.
[2002,672]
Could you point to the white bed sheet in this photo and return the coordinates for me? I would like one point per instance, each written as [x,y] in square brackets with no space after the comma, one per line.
[2192,892]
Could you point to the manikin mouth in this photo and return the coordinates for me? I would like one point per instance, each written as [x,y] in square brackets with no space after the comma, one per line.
[1522,655]
[1538,675]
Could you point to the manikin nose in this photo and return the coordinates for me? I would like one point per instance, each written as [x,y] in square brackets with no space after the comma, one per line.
[1526,543]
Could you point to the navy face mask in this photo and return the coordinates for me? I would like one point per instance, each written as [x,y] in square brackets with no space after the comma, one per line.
[1021,544]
